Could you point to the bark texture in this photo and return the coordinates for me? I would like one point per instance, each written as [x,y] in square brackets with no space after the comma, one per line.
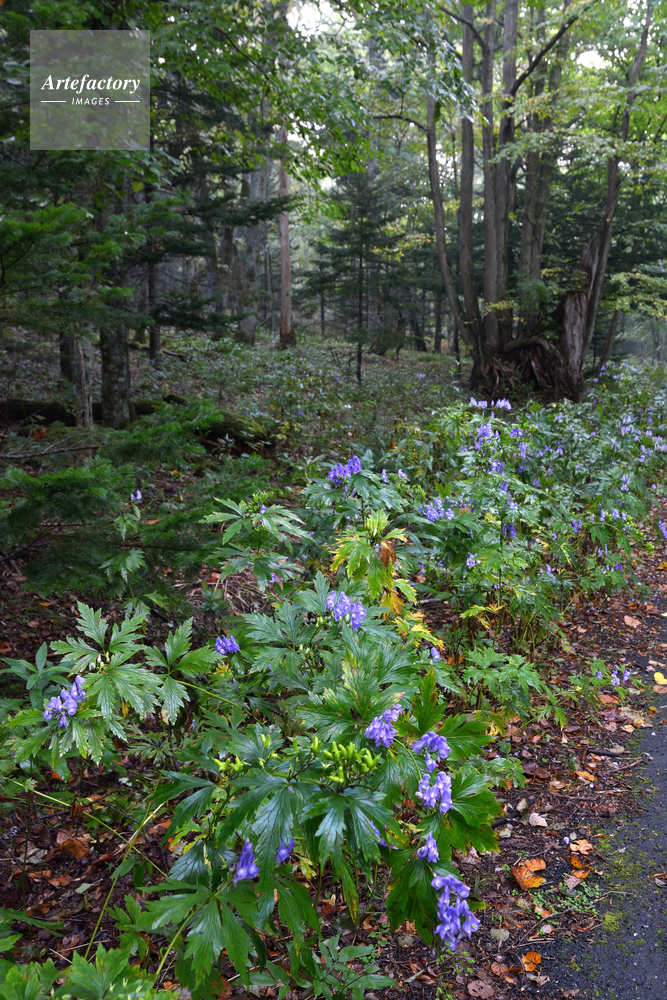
[287,336]
[115,377]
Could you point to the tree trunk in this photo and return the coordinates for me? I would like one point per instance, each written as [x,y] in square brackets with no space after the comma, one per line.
[83,380]
[154,330]
[287,337]
[466,268]
[66,348]
[491,329]
[115,377]
[606,354]
[437,339]
[248,255]
[581,308]
[470,334]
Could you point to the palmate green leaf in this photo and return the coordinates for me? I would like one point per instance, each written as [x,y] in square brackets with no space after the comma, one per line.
[411,895]
[172,696]
[265,630]
[426,706]
[343,871]
[178,642]
[120,682]
[295,906]
[274,820]
[92,624]
[464,737]
[329,832]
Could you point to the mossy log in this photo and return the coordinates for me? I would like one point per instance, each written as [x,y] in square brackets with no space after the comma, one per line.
[237,426]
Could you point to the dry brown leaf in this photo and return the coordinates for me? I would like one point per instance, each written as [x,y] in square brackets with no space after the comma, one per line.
[556,784]
[630,621]
[387,553]
[581,846]
[499,968]
[523,873]
[226,990]
[628,728]
[59,881]
[477,988]
[660,688]
[77,845]
[585,775]
[536,820]
[531,960]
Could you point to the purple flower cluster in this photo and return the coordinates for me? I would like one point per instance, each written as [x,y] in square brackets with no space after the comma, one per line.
[246,867]
[66,703]
[429,849]
[381,731]
[339,474]
[341,605]
[284,851]
[136,497]
[436,511]
[435,653]
[441,792]
[432,743]
[471,561]
[226,645]
[454,916]
[663,528]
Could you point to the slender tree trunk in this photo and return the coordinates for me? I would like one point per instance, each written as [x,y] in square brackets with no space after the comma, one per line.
[491,329]
[581,307]
[469,332]
[437,339]
[115,377]
[66,349]
[287,337]
[611,336]
[154,330]
[505,175]
[466,268]
[82,370]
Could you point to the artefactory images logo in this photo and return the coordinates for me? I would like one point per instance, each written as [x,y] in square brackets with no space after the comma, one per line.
[89,90]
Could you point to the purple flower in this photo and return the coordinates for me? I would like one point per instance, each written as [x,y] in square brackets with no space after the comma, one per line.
[626,675]
[136,497]
[402,476]
[54,705]
[427,793]
[663,528]
[435,653]
[226,645]
[381,732]
[443,786]
[284,851]
[357,614]
[77,688]
[342,607]
[429,850]
[455,917]
[471,561]
[246,867]
[432,743]
[429,763]
[331,600]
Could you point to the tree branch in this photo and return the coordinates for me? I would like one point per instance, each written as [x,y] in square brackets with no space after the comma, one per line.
[534,63]
[464,20]
[403,118]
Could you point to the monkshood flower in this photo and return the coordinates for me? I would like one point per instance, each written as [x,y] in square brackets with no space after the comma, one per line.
[663,528]
[225,645]
[509,531]
[339,474]
[625,483]
[615,678]
[136,497]
[485,431]
[284,851]
[357,614]
[472,560]
[246,867]
[66,703]
[435,744]
[381,731]
[429,849]
[435,653]
[385,477]
[502,404]
[402,476]
[455,916]
[626,675]
[482,403]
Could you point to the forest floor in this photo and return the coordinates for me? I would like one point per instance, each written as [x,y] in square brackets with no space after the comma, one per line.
[591,928]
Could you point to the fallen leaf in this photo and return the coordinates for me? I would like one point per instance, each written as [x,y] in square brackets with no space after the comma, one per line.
[581,846]
[226,990]
[556,784]
[576,862]
[535,770]
[629,728]
[542,912]
[536,820]
[662,565]
[540,980]
[630,621]
[659,677]
[572,882]
[608,699]
[586,775]
[76,846]
[479,989]
[59,881]
[531,960]
[499,968]
[535,864]
[660,689]
[523,873]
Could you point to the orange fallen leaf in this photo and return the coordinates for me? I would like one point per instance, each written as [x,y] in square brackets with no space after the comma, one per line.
[531,960]
[575,861]
[609,699]
[76,846]
[586,775]
[226,990]
[629,728]
[630,621]
[581,846]
[542,912]
[499,968]
[59,881]
[660,688]
[523,873]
